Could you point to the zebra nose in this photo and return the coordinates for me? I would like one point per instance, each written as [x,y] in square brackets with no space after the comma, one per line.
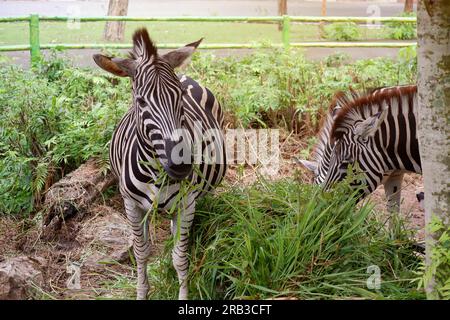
[179,164]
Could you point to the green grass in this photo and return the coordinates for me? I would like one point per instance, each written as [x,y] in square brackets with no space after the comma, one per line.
[169,32]
[287,239]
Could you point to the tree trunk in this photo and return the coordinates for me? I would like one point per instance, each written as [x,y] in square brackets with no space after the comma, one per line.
[282,10]
[408,6]
[114,30]
[433,29]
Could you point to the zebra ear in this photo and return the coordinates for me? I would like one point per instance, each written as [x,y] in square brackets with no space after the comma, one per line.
[368,127]
[310,165]
[117,66]
[182,56]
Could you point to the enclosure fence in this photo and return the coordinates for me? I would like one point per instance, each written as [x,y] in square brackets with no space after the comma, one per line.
[35,46]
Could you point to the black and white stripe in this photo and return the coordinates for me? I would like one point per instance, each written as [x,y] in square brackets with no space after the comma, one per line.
[377,130]
[156,137]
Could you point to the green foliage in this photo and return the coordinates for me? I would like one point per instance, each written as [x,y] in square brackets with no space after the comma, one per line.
[407,58]
[289,239]
[50,123]
[342,31]
[438,271]
[401,30]
[280,88]
[53,120]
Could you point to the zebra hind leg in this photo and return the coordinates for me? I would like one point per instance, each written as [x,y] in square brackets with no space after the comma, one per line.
[141,246]
[179,253]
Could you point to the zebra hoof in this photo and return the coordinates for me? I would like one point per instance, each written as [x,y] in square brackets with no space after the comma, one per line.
[141,297]
[183,294]
[142,293]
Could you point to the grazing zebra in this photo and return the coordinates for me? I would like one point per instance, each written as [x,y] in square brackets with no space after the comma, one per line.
[155,139]
[377,129]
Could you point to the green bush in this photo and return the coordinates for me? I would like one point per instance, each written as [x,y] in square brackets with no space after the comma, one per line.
[401,30]
[270,88]
[53,120]
[342,31]
[438,273]
[289,239]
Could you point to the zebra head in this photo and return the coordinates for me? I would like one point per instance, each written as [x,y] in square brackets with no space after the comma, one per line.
[157,100]
[322,151]
[352,143]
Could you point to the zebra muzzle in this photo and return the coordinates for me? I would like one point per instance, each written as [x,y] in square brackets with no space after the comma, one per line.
[179,159]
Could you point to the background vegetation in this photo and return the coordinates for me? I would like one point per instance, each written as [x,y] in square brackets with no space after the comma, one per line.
[53,120]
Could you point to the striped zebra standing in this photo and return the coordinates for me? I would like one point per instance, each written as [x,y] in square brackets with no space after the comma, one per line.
[152,149]
[377,129]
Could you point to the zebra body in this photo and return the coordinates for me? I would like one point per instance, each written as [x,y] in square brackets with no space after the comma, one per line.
[152,148]
[377,130]
[137,168]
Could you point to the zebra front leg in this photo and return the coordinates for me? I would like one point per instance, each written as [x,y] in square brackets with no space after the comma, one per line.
[141,246]
[179,253]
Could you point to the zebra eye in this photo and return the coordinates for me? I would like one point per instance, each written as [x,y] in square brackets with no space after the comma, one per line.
[363,140]
[140,101]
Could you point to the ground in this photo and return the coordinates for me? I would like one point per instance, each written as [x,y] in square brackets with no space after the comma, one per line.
[101,240]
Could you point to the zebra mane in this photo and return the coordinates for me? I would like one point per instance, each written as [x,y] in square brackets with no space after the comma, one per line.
[340,99]
[323,136]
[143,46]
[365,103]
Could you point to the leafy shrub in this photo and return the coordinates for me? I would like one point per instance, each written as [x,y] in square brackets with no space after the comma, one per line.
[53,120]
[342,31]
[438,273]
[278,88]
[401,30]
[50,123]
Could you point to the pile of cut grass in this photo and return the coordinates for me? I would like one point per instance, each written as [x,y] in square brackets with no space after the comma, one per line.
[286,239]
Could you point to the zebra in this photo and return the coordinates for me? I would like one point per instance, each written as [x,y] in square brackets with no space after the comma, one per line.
[377,129]
[158,130]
